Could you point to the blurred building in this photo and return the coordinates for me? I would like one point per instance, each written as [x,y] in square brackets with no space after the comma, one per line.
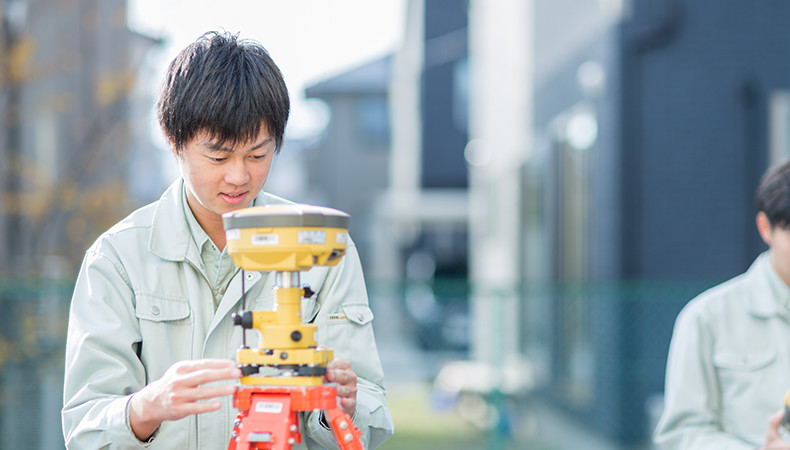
[68,76]
[643,128]
[393,157]
[349,162]
[68,132]
[588,167]
[421,226]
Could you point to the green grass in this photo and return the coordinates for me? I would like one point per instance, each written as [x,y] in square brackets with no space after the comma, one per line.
[418,425]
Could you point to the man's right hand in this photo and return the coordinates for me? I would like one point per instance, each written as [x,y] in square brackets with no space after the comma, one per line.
[772,439]
[179,394]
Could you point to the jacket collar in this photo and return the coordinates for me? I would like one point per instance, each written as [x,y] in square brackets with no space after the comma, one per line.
[170,237]
[768,294]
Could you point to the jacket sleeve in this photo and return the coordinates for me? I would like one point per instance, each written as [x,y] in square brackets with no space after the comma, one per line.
[345,325]
[691,394]
[102,368]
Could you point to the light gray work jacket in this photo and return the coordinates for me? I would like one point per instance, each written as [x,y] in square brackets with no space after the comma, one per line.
[729,364]
[141,303]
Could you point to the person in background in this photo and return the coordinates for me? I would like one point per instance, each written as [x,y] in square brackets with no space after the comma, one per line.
[150,330]
[729,359]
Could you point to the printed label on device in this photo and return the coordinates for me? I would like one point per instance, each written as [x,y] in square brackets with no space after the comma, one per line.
[311,237]
[265,239]
[269,407]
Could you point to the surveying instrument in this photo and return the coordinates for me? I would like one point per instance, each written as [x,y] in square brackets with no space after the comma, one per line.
[286,239]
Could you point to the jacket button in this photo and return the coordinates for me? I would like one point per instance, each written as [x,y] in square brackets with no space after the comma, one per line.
[155,310]
[249,276]
[360,317]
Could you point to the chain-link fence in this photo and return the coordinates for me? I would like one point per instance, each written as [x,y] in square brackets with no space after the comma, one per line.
[596,351]
[32,341]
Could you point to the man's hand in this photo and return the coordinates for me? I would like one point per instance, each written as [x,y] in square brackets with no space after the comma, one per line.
[339,371]
[179,393]
[772,439]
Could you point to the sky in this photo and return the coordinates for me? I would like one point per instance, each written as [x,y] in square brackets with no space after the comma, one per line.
[310,40]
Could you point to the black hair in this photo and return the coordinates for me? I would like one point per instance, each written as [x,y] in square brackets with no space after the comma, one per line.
[773,195]
[225,87]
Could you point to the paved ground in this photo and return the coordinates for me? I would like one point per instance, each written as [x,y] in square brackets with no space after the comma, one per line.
[424,419]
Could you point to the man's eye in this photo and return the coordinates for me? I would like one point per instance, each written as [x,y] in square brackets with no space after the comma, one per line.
[260,156]
[218,160]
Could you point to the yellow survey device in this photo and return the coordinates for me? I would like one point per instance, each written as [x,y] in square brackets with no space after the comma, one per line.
[286,239]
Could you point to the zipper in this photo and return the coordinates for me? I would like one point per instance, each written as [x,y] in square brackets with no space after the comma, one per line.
[230,280]
[213,294]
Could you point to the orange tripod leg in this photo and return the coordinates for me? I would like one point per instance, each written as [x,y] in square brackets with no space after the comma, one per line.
[346,434]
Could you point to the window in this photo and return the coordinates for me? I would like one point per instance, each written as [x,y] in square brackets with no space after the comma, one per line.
[778,126]
[373,120]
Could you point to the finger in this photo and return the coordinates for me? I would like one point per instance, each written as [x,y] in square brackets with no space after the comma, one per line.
[205,376]
[338,364]
[349,406]
[773,424]
[345,377]
[347,391]
[201,364]
[188,409]
[187,397]
[347,402]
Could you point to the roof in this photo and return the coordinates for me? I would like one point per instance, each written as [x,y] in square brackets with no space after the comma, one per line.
[372,77]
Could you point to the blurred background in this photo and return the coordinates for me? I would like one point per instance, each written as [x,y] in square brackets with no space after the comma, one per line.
[536,186]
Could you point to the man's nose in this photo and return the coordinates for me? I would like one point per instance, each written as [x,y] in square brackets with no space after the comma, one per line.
[237,173]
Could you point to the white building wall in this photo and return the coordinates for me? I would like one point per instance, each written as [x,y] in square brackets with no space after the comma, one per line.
[500,49]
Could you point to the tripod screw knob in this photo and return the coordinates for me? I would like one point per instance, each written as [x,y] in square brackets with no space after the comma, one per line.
[244,319]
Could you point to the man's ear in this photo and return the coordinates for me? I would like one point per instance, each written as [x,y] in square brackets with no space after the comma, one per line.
[171,144]
[764,227]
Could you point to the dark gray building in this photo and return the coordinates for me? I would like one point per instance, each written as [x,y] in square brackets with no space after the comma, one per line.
[653,125]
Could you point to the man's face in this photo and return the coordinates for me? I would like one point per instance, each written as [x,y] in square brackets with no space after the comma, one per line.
[778,239]
[780,252]
[219,179]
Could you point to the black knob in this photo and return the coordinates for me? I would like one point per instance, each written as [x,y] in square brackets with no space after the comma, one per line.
[244,319]
[296,336]
[252,369]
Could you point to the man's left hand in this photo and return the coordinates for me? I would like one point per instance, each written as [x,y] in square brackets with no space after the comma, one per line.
[339,371]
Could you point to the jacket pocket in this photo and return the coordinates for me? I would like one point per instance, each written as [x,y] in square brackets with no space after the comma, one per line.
[166,332]
[737,373]
[743,361]
[157,308]
[347,331]
[358,314]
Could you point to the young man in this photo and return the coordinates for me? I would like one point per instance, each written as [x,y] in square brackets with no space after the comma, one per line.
[150,329]
[729,359]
